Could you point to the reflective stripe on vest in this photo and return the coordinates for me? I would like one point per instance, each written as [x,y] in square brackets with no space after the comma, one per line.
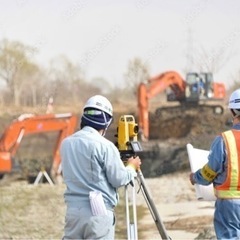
[231,187]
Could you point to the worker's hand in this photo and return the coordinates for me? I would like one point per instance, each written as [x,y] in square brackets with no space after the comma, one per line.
[134,162]
[191,178]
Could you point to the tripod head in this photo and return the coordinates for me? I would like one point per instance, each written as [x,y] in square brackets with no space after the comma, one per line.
[127,137]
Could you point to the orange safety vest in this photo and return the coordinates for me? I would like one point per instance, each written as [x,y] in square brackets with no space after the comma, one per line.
[231,187]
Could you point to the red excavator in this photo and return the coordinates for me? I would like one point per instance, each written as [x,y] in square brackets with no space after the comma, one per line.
[27,124]
[197,91]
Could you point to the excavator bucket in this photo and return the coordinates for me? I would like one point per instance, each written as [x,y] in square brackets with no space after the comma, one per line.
[5,162]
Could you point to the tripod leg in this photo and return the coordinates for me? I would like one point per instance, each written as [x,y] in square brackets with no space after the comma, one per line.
[40,174]
[132,233]
[127,213]
[134,209]
[152,207]
[48,178]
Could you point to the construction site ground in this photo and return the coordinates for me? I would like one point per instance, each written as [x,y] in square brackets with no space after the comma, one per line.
[37,212]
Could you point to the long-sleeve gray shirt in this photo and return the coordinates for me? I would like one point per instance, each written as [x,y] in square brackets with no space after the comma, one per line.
[91,162]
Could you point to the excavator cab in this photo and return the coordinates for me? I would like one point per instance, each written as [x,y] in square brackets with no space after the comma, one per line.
[198,86]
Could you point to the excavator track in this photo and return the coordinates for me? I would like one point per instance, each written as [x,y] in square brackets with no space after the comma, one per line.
[216,109]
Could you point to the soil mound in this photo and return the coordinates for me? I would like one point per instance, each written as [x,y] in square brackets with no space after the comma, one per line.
[166,152]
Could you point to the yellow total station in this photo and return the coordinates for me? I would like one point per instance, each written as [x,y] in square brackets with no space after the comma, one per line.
[127,134]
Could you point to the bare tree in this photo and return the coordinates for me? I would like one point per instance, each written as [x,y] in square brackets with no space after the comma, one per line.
[102,84]
[32,88]
[211,59]
[68,81]
[16,68]
[236,81]
[137,72]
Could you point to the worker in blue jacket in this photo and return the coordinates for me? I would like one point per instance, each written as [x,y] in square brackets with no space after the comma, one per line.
[223,170]
[93,171]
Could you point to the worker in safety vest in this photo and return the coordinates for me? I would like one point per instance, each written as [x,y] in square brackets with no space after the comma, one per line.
[93,171]
[223,170]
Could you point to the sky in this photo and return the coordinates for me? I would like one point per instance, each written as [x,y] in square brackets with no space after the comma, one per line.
[103,36]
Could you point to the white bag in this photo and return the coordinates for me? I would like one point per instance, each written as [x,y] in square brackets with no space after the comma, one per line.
[97,204]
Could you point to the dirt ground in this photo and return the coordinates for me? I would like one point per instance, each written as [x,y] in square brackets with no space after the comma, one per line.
[183,216]
[37,212]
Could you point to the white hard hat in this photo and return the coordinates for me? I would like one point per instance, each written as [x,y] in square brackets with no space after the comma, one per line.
[101,103]
[234,100]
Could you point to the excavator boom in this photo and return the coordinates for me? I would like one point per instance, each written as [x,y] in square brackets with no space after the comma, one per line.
[198,89]
[27,124]
[163,81]
[155,86]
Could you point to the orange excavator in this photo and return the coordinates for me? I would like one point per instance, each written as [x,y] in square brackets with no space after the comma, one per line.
[198,90]
[27,124]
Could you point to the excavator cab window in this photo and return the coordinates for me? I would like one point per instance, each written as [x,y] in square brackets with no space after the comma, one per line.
[199,86]
[193,87]
[208,84]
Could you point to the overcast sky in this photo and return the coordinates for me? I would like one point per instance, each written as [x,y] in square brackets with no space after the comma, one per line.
[104,35]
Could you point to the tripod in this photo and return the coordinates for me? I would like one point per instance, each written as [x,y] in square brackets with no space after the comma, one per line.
[40,175]
[128,146]
[132,233]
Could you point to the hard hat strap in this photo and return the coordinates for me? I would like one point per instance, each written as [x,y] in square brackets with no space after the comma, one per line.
[105,119]
[89,115]
[236,113]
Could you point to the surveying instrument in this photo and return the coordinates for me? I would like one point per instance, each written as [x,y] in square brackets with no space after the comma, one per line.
[129,146]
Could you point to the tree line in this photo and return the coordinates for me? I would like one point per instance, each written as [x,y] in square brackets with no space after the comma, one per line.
[23,82]
[26,83]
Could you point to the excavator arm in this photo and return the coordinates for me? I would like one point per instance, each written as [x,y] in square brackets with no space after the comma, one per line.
[155,86]
[27,124]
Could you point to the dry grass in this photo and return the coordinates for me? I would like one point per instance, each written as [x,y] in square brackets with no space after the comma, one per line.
[31,212]
[38,212]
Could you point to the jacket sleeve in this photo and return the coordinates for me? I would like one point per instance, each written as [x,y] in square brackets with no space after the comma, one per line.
[215,166]
[117,174]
